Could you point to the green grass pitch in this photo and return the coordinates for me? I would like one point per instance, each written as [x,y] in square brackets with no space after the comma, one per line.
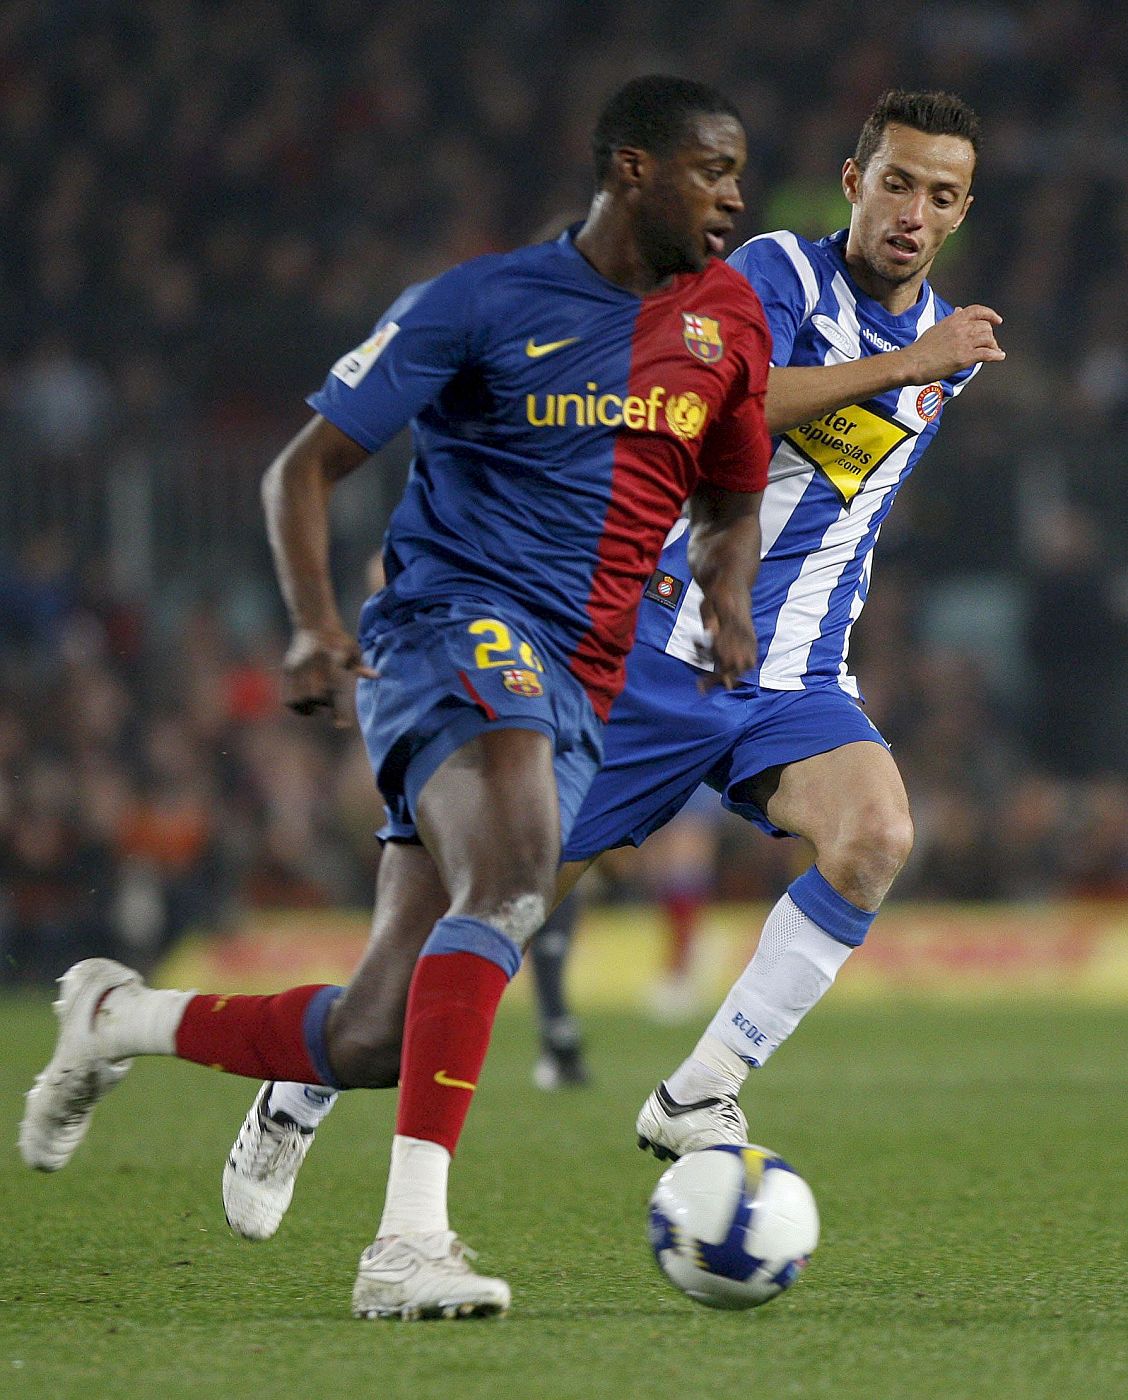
[970,1165]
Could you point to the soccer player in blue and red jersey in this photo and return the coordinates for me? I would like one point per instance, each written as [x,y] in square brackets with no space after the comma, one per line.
[566,401]
[865,357]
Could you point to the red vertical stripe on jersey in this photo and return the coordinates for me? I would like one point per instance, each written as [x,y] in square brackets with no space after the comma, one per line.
[652,473]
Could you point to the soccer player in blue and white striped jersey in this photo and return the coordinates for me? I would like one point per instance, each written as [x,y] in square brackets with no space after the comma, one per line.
[865,359]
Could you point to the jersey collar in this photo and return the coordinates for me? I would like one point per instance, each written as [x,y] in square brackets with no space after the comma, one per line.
[835,244]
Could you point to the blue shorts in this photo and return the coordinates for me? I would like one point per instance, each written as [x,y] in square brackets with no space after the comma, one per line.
[665,737]
[447,675]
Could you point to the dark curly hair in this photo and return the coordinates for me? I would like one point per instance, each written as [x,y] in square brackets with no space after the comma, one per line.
[653,113]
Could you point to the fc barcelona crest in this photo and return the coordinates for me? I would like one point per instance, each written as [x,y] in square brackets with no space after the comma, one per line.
[702,336]
[518,681]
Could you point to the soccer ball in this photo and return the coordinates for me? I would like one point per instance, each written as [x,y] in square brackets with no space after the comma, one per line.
[732,1226]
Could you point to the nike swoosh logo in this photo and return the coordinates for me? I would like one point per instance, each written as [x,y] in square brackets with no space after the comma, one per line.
[674,1109]
[441,1077]
[535,351]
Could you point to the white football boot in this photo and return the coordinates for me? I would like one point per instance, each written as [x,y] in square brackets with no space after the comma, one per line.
[63,1097]
[413,1277]
[670,1129]
[261,1169]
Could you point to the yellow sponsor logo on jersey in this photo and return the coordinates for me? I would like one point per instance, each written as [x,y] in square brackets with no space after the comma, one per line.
[847,446]
[684,414]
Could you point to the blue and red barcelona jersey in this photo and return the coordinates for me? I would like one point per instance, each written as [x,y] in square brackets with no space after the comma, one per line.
[560,422]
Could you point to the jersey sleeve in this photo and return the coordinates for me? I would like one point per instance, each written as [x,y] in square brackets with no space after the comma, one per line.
[785,282]
[738,448]
[415,349]
[962,378]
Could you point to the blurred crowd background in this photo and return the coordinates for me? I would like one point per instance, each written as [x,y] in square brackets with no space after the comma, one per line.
[203,203]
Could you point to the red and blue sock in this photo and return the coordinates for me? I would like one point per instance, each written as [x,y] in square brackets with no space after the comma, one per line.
[464,968]
[263,1037]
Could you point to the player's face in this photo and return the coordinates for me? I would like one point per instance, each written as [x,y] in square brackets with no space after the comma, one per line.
[687,202]
[911,196]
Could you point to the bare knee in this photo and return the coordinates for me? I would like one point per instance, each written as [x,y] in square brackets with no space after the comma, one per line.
[866,853]
[512,889]
[490,817]
[515,908]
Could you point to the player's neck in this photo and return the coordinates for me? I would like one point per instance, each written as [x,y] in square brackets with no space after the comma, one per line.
[607,241]
[895,297]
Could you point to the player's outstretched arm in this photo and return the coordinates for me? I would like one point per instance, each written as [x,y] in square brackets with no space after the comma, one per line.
[724,555]
[295,494]
[798,394]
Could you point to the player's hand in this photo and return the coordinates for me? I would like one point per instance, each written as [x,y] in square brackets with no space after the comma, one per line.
[963,339]
[729,623]
[318,670]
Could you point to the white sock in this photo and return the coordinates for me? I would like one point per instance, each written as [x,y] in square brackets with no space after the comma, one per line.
[135,1020]
[712,1071]
[306,1104]
[416,1199]
[795,963]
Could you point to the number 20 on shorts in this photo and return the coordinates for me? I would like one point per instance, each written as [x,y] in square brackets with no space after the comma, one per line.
[498,649]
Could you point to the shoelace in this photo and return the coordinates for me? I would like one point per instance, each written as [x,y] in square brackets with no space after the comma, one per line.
[80,1102]
[455,1258]
[279,1147]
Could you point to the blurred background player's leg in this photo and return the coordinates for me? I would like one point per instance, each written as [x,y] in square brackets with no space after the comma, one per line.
[679,862]
[561,1061]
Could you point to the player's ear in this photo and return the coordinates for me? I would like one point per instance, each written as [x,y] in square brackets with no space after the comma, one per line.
[968,202]
[629,164]
[851,179]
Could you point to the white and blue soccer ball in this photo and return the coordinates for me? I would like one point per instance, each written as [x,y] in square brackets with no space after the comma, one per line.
[731,1226]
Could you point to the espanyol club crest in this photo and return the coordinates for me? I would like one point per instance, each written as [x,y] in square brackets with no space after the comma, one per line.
[521,682]
[664,588]
[930,401]
[702,336]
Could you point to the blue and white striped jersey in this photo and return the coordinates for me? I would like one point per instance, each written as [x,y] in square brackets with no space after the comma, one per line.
[831,482]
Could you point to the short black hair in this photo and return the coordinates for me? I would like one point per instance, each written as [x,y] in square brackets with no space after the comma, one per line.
[653,113]
[937,113]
